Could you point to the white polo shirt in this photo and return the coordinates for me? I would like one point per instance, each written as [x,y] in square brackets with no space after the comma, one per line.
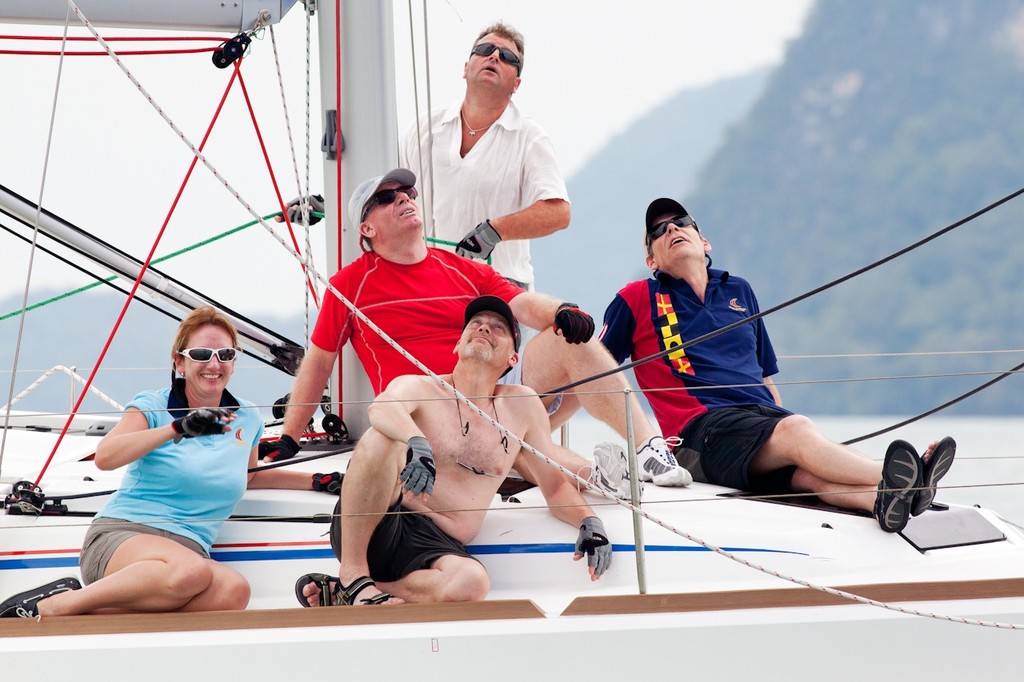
[511,167]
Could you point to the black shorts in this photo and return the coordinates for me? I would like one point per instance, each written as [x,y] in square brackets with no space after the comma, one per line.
[724,441]
[402,543]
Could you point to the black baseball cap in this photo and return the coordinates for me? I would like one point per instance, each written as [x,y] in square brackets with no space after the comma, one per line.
[662,207]
[493,304]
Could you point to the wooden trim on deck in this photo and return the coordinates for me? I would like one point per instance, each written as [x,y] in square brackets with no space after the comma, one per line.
[790,597]
[268,618]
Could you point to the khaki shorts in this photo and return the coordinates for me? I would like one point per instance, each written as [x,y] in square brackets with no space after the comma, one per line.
[106,535]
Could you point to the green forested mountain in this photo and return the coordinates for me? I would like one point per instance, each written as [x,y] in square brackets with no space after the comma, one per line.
[886,122]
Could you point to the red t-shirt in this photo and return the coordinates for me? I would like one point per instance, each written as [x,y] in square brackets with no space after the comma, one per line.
[420,306]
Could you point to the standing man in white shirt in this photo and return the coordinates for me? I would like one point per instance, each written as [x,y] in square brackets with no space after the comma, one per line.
[490,177]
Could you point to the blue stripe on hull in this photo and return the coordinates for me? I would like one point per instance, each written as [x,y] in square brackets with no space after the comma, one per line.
[323,553]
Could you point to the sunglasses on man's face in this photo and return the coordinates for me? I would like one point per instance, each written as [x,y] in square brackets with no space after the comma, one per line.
[662,228]
[206,354]
[387,196]
[506,55]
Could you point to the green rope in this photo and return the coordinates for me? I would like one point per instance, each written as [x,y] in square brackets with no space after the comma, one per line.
[161,259]
[445,242]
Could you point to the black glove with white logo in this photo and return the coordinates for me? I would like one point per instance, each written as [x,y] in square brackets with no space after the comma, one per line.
[480,241]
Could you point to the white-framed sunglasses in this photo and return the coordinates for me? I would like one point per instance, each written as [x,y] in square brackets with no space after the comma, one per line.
[200,354]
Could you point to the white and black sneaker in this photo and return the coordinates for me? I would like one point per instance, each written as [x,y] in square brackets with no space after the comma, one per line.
[658,464]
[24,605]
[610,471]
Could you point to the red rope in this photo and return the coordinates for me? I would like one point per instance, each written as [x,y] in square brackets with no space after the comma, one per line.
[140,39]
[100,53]
[277,190]
[138,280]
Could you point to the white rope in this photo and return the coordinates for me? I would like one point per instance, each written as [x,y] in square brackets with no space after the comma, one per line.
[303,188]
[35,239]
[69,372]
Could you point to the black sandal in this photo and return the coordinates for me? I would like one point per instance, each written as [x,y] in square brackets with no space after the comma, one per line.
[340,595]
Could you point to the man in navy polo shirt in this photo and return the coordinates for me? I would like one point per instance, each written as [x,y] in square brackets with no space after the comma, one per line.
[725,408]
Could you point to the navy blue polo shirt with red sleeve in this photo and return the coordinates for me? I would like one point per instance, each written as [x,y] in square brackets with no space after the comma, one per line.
[652,315]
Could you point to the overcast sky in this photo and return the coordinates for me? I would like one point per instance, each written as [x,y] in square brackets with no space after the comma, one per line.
[592,67]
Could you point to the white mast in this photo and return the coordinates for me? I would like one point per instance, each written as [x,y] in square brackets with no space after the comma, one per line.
[369,124]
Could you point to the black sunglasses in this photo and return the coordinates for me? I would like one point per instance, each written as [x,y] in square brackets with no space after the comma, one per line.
[662,227]
[206,354]
[506,55]
[387,196]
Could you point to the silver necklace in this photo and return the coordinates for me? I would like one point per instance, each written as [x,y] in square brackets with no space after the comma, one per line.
[473,131]
[464,425]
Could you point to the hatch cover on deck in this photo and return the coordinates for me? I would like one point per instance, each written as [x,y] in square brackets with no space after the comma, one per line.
[953,527]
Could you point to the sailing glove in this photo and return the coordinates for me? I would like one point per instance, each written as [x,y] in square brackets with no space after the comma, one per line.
[576,326]
[208,421]
[419,472]
[328,483]
[283,449]
[480,241]
[294,207]
[593,541]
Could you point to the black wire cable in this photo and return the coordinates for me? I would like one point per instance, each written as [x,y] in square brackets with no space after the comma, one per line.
[288,462]
[939,408]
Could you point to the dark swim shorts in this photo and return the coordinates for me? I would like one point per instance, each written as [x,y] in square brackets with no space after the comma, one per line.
[402,543]
[722,441]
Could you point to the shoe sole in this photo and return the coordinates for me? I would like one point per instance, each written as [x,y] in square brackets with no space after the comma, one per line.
[938,464]
[902,471]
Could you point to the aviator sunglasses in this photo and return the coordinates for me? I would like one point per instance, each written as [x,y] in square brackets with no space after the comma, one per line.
[662,227]
[387,196]
[506,55]
[206,354]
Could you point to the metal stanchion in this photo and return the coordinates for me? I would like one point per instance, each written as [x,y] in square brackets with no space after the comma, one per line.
[634,496]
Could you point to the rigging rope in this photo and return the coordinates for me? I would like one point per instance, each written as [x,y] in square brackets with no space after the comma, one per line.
[35,238]
[277,189]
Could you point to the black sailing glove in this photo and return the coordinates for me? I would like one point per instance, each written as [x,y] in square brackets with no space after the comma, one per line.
[479,242]
[328,483]
[593,541]
[576,326]
[208,421]
[277,451]
[418,475]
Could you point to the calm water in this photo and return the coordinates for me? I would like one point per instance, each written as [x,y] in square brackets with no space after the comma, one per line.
[989,466]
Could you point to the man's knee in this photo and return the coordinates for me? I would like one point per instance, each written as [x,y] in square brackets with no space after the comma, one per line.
[795,427]
[466,579]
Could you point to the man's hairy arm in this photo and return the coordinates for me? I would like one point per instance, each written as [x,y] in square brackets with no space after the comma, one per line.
[564,500]
[539,219]
[391,412]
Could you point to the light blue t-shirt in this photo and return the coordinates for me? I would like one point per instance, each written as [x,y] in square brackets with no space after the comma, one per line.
[191,487]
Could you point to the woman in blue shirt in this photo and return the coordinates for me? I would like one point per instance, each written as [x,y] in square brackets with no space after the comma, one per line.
[187,450]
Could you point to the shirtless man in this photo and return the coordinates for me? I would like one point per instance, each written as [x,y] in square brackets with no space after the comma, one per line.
[428,454]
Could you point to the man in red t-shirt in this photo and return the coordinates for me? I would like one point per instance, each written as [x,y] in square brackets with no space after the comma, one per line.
[417,296]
